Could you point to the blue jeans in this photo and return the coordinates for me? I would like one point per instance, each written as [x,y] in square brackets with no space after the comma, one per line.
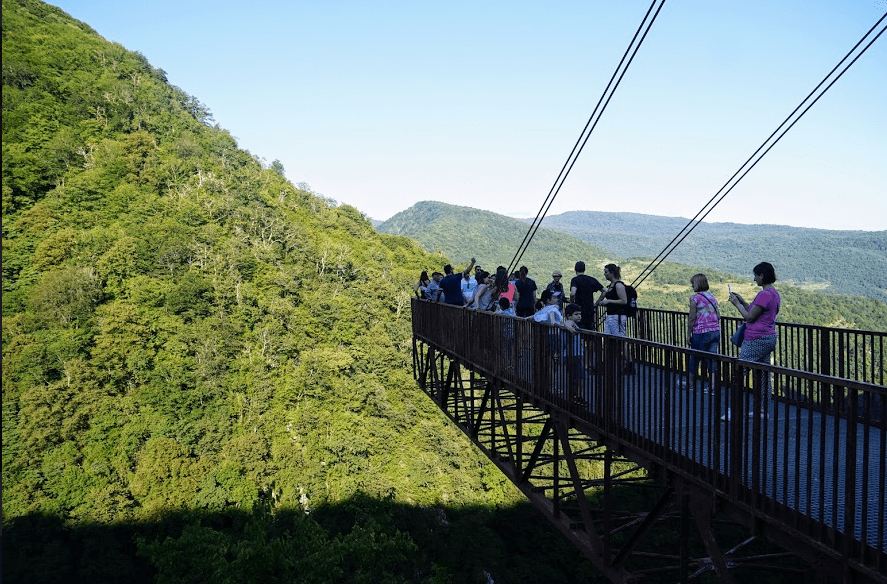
[614,324]
[709,342]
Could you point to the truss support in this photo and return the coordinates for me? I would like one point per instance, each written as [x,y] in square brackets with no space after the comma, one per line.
[610,507]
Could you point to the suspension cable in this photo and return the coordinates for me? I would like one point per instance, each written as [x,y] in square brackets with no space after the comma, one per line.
[642,30]
[746,167]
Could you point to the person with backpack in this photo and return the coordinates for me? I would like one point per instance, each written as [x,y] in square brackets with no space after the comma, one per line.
[616,300]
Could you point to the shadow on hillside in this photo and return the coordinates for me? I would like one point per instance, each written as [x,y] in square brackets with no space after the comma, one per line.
[360,540]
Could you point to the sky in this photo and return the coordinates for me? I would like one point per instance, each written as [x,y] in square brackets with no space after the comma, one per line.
[381,104]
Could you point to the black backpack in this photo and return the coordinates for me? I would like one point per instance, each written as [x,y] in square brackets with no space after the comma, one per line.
[631,295]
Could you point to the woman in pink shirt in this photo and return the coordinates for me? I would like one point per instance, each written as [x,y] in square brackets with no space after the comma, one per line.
[703,326]
[504,288]
[760,322]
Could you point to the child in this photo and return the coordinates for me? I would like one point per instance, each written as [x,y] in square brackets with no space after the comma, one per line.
[575,353]
[505,308]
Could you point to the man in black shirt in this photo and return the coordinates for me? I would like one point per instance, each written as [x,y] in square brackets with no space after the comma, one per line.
[526,289]
[582,289]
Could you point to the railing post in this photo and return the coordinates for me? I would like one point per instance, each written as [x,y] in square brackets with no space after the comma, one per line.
[734,427]
[825,353]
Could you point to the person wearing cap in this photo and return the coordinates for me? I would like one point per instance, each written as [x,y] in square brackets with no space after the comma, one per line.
[557,288]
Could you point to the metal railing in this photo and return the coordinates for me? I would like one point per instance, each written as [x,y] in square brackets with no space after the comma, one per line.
[846,353]
[811,461]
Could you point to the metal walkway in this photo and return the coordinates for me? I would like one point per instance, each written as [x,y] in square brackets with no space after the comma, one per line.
[808,474]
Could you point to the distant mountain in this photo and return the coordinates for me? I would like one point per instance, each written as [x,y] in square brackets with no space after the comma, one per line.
[846,262]
[458,233]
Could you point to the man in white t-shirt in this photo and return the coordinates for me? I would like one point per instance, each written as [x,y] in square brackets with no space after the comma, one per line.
[469,284]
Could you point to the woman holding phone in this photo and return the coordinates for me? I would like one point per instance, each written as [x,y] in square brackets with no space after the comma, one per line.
[760,323]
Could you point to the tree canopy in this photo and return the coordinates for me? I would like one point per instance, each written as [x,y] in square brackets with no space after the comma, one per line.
[201,360]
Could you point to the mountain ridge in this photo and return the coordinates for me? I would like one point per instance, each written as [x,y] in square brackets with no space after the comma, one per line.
[803,256]
[459,232]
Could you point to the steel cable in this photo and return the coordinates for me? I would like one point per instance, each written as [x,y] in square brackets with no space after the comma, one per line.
[586,131]
[740,173]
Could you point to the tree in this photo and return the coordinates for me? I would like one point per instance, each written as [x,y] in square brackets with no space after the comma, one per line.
[277,167]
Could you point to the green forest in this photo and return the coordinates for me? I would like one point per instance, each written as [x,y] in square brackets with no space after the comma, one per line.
[830,261]
[463,232]
[206,370]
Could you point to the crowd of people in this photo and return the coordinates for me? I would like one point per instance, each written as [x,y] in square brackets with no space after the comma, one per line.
[574,308]
[518,293]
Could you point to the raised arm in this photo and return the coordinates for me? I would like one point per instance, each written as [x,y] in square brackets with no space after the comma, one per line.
[467,270]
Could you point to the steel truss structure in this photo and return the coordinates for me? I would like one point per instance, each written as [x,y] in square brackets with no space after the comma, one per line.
[615,504]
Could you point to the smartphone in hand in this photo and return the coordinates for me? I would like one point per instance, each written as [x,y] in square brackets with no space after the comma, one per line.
[730,288]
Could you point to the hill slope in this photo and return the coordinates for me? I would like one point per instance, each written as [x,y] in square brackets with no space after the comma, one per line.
[206,371]
[837,262]
[462,232]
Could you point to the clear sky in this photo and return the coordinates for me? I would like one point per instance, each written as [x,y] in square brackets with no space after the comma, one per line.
[380,104]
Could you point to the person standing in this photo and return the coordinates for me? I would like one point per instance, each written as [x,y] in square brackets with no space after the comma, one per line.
[483,295]
[760,323]
[703,326]
[526,294]
[432,291]
[582,289]
[470,284]
[503,288]
[557,288]
[574,350]
[615,300]
[451,285]
[421,287]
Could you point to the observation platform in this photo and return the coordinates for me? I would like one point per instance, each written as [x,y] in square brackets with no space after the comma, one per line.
[800,461]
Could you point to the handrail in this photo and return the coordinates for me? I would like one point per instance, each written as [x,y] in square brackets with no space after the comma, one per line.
[855,354]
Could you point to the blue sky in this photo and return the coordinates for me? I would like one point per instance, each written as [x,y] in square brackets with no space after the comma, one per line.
[383,104]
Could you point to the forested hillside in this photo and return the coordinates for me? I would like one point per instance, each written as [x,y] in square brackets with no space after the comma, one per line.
[462,232]
[206,371]
[834,262]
